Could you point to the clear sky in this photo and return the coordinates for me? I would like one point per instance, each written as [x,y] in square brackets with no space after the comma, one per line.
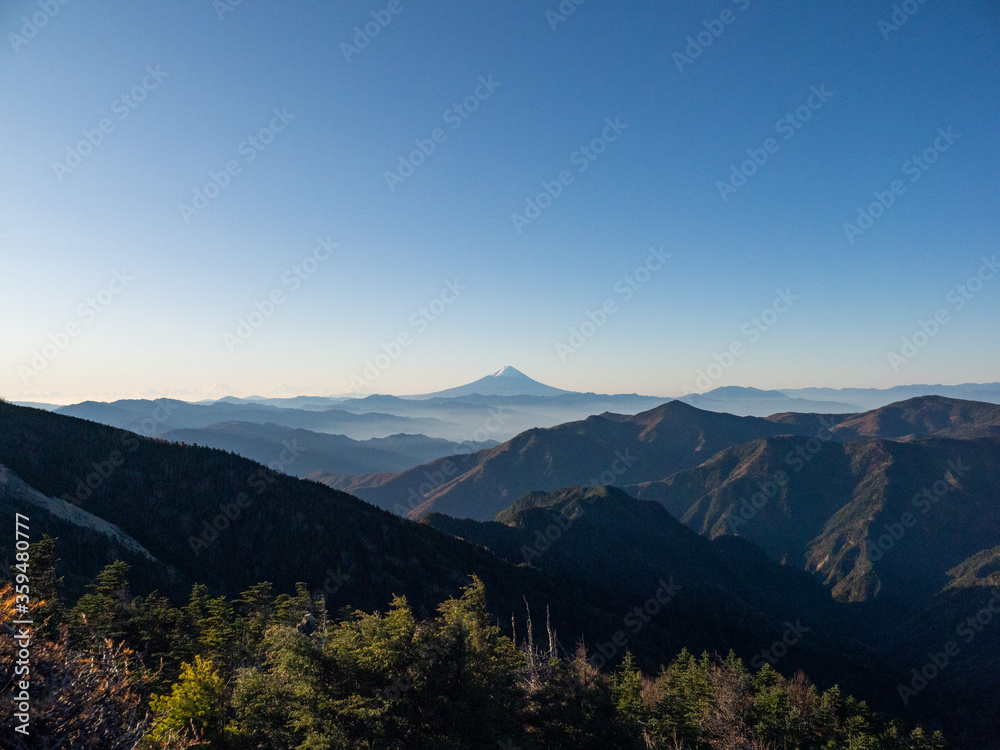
[166,168]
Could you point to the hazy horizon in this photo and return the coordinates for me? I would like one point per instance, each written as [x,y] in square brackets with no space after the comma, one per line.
[219,392]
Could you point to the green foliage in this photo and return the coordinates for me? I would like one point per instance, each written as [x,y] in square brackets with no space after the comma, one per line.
[47,587]
[107,611]
[684,695]
[385,681]
[195,704]
[266,671]
[628,691]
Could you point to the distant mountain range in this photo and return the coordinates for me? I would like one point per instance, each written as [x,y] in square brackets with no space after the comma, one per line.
[627,450]
[755,402]
[526,403]
[155,417]
[605,449]
[380,435]
[306,452]
[872,398]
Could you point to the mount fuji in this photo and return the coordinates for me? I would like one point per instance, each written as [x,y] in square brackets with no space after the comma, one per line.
[507,381]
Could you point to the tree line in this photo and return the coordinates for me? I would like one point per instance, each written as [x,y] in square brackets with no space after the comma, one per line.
[277,671]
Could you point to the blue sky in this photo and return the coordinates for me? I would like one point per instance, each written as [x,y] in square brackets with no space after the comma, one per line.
[180,88]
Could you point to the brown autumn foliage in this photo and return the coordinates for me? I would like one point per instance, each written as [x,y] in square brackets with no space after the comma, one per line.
[78,699]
